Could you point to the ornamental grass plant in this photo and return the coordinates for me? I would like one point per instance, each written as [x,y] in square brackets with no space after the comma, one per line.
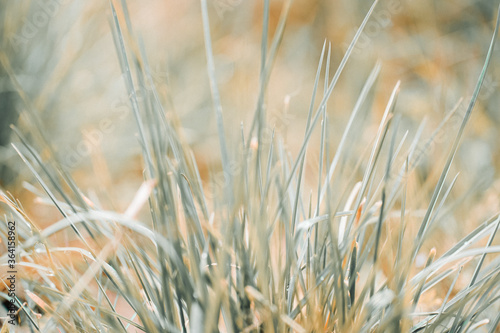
[342,213]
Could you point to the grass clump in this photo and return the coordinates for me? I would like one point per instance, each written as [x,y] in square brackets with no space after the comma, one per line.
[259,249]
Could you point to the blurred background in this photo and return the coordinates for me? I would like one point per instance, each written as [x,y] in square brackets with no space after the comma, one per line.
[58,60]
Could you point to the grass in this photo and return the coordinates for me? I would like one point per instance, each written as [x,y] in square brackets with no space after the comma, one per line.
[253,251]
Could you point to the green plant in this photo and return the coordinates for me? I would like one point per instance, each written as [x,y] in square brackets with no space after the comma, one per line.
[259,254]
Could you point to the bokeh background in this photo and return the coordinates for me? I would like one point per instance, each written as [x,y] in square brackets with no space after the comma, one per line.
[61,55]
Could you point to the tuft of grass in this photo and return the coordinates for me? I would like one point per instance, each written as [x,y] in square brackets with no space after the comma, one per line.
[258,254]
